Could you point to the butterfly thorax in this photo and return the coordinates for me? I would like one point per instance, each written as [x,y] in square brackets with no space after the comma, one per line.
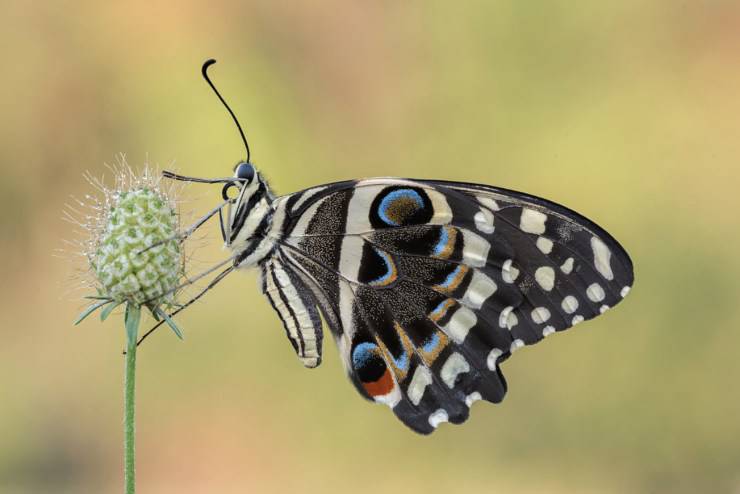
[249,219]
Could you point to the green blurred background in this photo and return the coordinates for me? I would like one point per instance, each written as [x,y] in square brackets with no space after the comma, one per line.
[626,111]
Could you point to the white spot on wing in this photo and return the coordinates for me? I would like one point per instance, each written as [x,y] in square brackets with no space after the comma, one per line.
[569,304]
[516,345]
[472,398]
[454,366]
[507,319]
[392,398]
[532,221]
[547,331]
[603,309]
[567,266]
[480,288]
[488,202]
[595,293]
[540,315]
[508,272]
[460,323]
[475,249]
[493,358]
[577,319]
[545,277]
[438,417]
[602,258]
[512,321]
[544,244]
[422,378]
[624,291]
[484,221]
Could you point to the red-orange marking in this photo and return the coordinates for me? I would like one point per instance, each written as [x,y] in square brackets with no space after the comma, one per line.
[382,386]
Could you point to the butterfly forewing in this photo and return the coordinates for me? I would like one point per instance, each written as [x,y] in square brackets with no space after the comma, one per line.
[428,286]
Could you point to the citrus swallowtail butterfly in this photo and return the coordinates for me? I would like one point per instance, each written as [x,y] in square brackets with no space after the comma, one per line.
[427,286]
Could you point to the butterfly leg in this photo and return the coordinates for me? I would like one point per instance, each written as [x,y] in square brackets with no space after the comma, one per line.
[190,281]
[182,307]
[187,233]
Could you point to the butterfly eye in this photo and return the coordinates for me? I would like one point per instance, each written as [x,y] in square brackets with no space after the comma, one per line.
[244,171]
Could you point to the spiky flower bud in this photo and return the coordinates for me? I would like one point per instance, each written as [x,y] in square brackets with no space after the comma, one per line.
[137,260]
[133,250]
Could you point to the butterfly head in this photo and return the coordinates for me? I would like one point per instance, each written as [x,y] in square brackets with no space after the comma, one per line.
[244,171]
[246,212]
[244,174]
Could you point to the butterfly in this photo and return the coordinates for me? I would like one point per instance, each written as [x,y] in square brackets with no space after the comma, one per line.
[427,286]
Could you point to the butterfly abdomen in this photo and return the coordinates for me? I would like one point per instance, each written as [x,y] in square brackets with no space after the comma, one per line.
[297,309]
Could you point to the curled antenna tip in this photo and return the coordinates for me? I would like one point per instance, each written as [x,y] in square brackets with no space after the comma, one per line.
[207,64]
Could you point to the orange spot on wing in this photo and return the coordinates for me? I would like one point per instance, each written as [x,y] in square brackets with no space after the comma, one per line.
[382,386]
[454,280]
[430,353]
[441,310]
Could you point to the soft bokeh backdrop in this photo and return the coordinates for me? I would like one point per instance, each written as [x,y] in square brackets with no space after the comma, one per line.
[627,111]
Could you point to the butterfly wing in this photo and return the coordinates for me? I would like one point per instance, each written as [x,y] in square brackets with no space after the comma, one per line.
[428,286]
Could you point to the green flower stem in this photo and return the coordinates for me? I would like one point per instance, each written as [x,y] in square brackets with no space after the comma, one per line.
[129,406]
[133,316]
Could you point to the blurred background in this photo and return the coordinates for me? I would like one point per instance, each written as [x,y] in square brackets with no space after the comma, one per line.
[626,111]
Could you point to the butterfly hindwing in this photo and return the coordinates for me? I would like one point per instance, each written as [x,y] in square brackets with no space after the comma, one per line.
[428,286]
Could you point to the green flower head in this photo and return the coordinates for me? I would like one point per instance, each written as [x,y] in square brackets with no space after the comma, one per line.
[133,250]
[137,259]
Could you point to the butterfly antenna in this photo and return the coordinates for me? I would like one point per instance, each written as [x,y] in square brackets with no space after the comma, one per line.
[204,71]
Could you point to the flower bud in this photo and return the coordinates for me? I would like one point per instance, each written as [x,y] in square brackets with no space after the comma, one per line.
[136,258]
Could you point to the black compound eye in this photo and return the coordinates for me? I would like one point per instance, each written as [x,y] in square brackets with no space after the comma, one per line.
[244,171]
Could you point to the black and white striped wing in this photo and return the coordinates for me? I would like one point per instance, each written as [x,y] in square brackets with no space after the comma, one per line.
[428,286]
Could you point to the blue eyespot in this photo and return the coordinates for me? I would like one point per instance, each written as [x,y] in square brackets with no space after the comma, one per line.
[244,171]
[399,206]
[363,354]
